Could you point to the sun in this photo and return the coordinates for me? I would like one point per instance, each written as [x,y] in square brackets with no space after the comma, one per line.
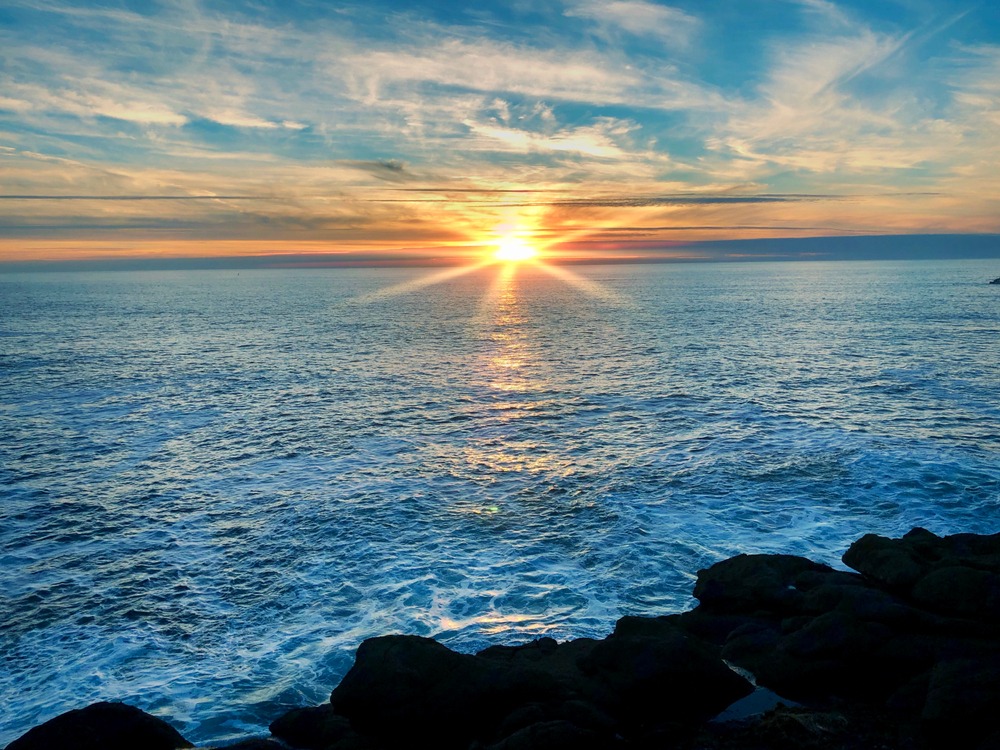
[514,249]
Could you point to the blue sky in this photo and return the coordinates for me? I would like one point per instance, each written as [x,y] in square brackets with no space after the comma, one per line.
[619,128]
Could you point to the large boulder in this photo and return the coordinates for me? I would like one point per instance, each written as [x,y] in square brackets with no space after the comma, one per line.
[895,565]
[313,728]
[102,726]
[963,697]
[408,689]
[758,584]
[653,682]
[811,633]
[957,576]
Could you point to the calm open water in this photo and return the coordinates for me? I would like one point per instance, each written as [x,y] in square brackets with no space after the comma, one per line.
[216,484]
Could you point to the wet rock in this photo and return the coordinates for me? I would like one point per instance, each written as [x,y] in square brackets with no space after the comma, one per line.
[672,678]
[957,575]
[413,689]
[756,584]
[886,561]
[313,728]
[102,726]
[557,663]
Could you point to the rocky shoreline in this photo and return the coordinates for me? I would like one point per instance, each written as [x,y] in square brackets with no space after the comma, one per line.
[781,652]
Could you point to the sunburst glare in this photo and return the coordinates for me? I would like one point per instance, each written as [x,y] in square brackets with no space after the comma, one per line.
[514,249]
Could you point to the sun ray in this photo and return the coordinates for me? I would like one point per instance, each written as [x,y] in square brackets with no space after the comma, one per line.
[591,288]
[424,281]
[490,298]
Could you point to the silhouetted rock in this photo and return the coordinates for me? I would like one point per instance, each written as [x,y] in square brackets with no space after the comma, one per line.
[552,735]
[656,681]
[957,575]
[886,561]
[905,654]
[996,280]
[312,728]
[963,698]
[747,584]
[905,634]
[102,726]
[408,688]
[414,689]
[798,728]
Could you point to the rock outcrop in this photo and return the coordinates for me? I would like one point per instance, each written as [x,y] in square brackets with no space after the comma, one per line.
[916,629]
[903,653]
[102,726]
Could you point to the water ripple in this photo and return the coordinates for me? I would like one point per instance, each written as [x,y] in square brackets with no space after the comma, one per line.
[216,485]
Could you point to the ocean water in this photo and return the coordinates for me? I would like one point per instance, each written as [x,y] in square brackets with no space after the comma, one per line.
[216,484]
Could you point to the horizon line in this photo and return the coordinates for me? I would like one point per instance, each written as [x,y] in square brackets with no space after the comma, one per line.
[828,247]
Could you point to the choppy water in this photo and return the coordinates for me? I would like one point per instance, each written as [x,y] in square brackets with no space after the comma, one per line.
[216,484]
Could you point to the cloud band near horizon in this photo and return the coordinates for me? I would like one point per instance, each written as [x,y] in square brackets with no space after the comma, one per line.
[375,126]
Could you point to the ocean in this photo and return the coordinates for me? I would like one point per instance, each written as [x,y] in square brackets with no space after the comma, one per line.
[216,484]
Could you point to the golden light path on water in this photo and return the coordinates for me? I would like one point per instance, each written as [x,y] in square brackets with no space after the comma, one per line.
[509,366]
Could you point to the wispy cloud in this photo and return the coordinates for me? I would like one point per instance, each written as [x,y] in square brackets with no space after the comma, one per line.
[639,18]
[284,120]
[487,67]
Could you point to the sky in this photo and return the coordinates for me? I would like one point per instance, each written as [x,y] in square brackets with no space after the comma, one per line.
[429,131]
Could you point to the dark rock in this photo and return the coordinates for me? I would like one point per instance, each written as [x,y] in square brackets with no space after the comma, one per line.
[313,728]
[715,627]
[752,584]
[886,561]
[920,556]
[558,663]
[521,717]
[752,644]
[996,280]
[960,591]
[653,681]
[553,735]
[586,715]
[863,602]
[102,726]
[836,635]
[413,689]
[909,699]
[534,651]
[963,697]
[799,728]
[631,626]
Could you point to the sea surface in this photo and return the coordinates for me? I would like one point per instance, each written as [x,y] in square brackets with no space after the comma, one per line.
[215,484]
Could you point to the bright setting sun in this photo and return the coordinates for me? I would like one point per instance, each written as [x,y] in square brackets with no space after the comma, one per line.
[513,249]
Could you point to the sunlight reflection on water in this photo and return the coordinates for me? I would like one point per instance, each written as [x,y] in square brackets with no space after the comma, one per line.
[215,486]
